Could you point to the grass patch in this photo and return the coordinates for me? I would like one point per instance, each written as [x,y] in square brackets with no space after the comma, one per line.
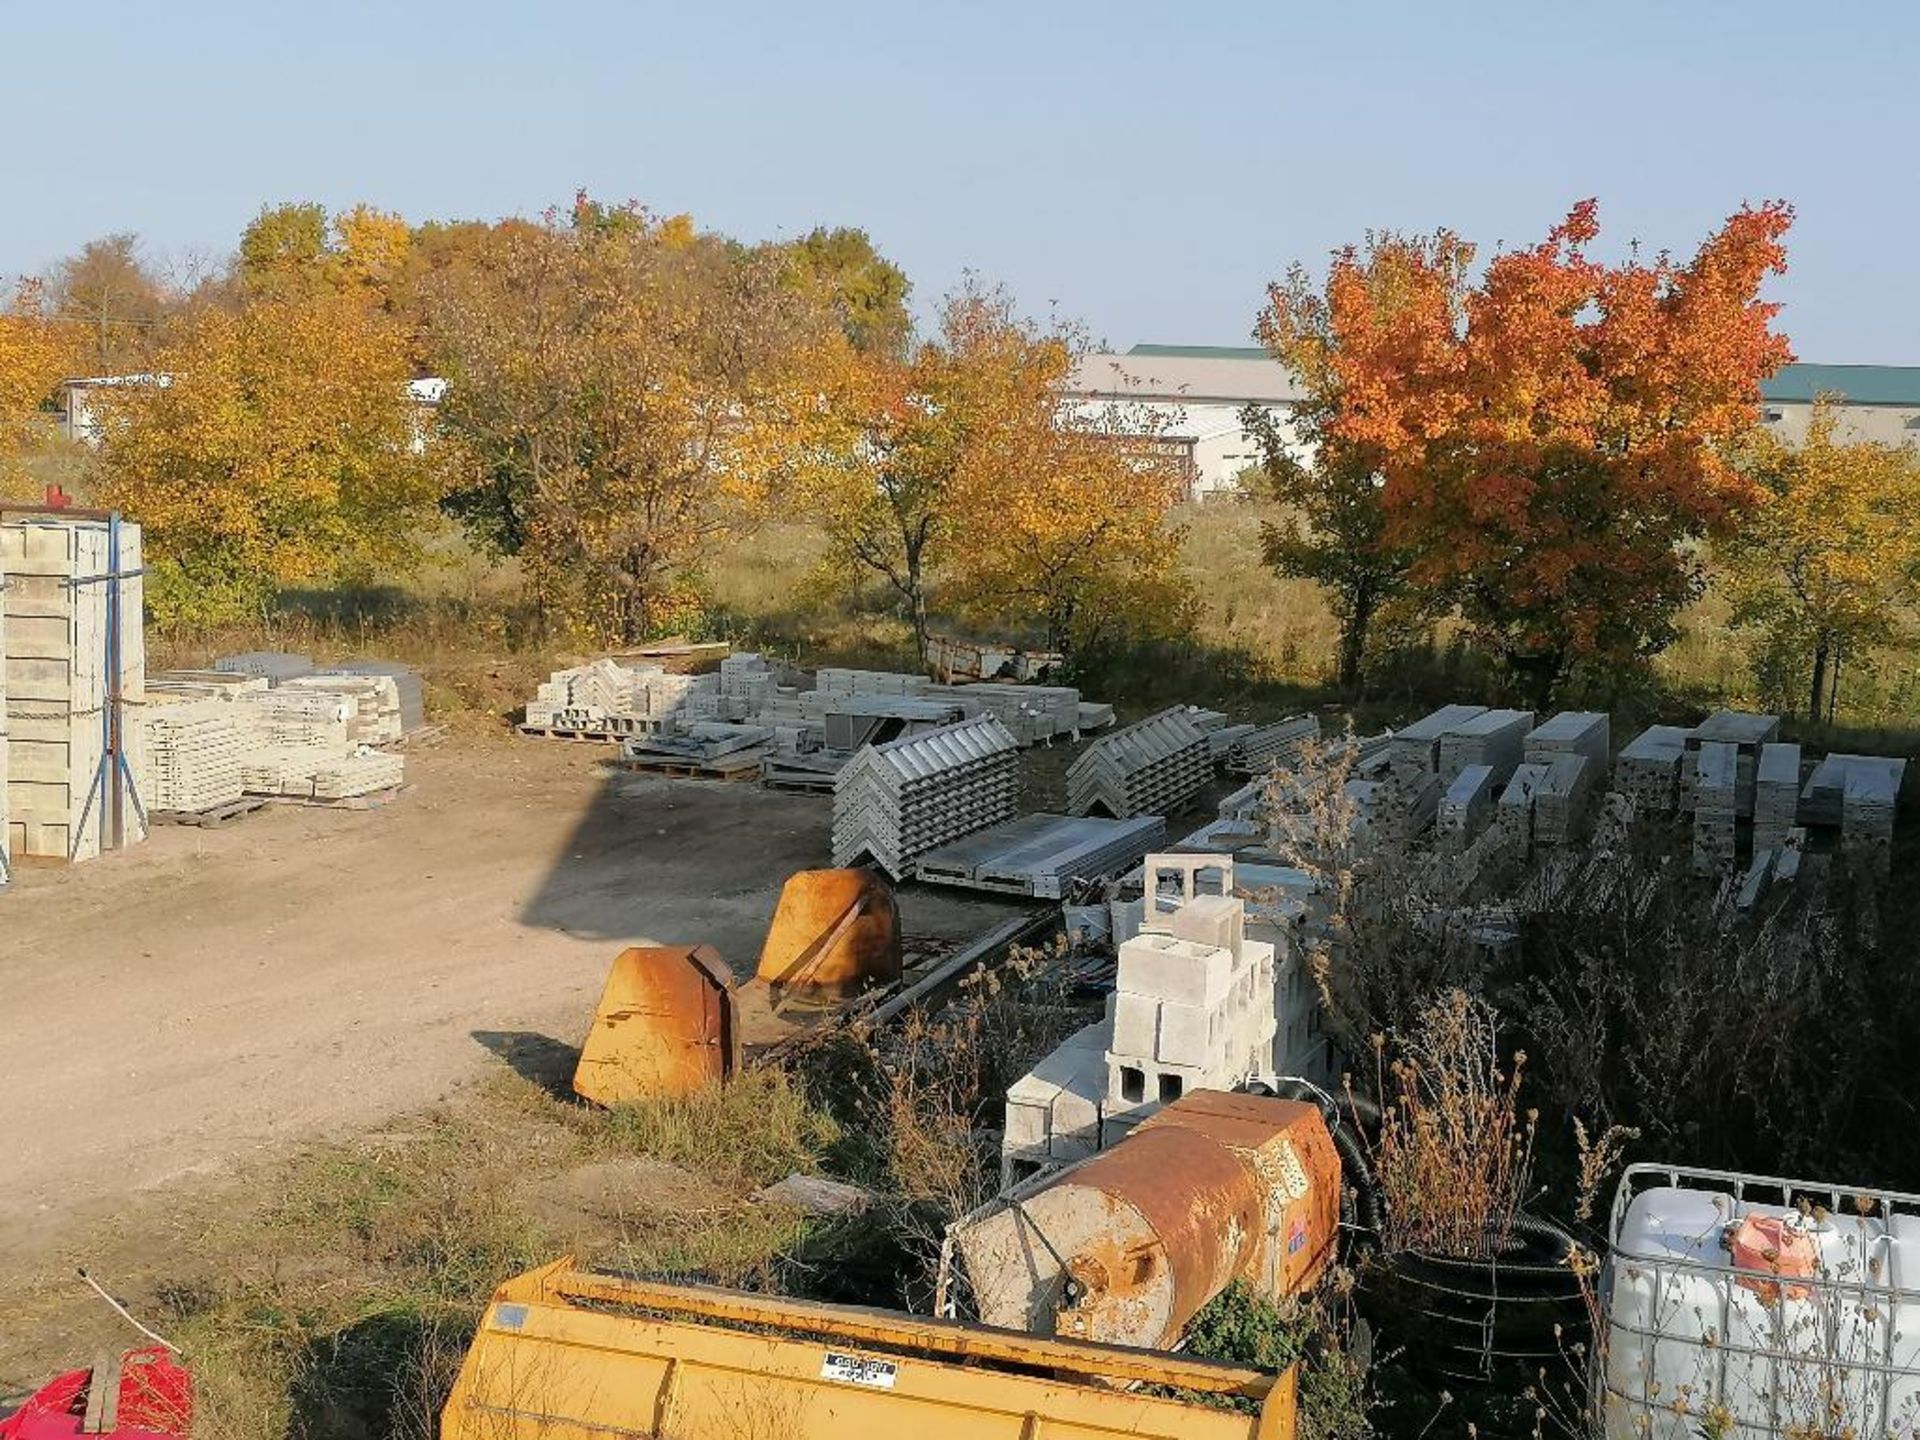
[752,1131]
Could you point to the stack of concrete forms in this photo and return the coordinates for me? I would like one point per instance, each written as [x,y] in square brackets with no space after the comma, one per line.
[273,666]
[1715,807]
[1513,814]
[1222,739]
[1776,796]
[1041,855]
[1093,716]
[406,683]
[1031,713]
[374,717]
[218,685]
[1561,801]
[834,680]
[281,769]
[301,719]
[366,772]
[1278,745]
[591,698]
[894,802]
[711,749]
[1746,733]
[1648,770]
[1399,806]
[850,721]
[1153,767]
[56,690]
[1053,1111]
[1573,732]
[1418,745]
[1823,801]
[1494,738]
[1467,805]
[195,751]
[1866,813]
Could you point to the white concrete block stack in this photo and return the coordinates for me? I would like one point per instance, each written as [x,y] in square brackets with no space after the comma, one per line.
[274,666]
[1402,805]
[1715,807]
[1746,733]
[1562,802]
[300,719]
[1153,767]
[896,801]
[195,751]
[1513,814]
[1572,732]
[366,772]
[1648,770]
[1280,744]
[406,683]
[1776,796]
[1419,743]
[1867,807]
[172,686]
[1494,738]
[374,718]
[835,680]
[1467,805]
[1032,713]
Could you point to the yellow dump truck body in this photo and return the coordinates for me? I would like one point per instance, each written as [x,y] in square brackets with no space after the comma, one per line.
[569,1354]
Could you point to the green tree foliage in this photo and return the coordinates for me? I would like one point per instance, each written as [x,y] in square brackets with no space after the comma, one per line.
[867,291]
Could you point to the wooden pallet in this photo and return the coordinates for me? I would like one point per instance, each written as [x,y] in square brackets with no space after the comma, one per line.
[595,737]
[693,769]
[373,800]
[211,819]
[797,787]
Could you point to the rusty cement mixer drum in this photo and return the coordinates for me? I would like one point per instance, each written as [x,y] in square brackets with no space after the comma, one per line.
[1127,1248]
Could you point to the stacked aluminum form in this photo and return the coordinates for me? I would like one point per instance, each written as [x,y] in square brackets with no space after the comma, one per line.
[1715,806]
[1419,743]
[1040,855]
[1648,770]
[894,802]
[406,683]
[374,718]
[1823,801]
[1573,732]
[273,666]
[1153,767]
[1468,803]
[1866,812]
[1494,738]
[1746,733]
[56,688]
[1279,744]
[1560,801]
[1776,796]
[1032,713]
[195,751]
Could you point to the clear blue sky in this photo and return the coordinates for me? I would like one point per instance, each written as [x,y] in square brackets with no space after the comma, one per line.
[1145,167]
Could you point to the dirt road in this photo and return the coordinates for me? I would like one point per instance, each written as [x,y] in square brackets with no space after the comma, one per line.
[178,1009]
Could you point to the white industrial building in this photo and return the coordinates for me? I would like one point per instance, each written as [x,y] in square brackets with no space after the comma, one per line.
[1195,395]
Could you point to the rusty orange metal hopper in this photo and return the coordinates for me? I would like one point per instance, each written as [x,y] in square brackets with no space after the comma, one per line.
[666,1025]
[835,933]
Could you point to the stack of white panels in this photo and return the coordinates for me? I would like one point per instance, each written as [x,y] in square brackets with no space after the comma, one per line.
[274,666]
[1031,712]
[1573,732]
[1419,743]
[406,683]
[835,680]
[1746,733]
[1468,803]
[374,718]
[1153,767]
[1866,812]
[288,718]
[194,756]
[1560,800]
[1648,770]
[1514,811]
[896,801]
[282,769]
[1494,738]
[366,773]
[1715,807]
[1278,745]
[1776,797]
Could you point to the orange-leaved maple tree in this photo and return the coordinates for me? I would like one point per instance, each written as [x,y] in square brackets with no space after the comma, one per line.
[1551,438]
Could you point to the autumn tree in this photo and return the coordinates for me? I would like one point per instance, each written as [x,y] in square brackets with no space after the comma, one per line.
[37,351]
[108,293]
[295,248]
[866,291]
[621,394]
[1826,564]
[1552,438]
[280,450]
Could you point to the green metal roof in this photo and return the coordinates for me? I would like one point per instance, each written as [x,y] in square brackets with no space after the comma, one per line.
[1860,384]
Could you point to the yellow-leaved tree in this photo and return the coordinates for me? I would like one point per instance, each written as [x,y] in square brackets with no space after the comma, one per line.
[960,469]
[37,351]
[279,448]
[1827,565]
[623,394]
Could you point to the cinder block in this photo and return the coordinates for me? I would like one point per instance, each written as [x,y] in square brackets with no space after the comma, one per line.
[1216,920]
[1136,1022]
[1028,1125]
[1134,1085]
[1175,969]
[1188,1034]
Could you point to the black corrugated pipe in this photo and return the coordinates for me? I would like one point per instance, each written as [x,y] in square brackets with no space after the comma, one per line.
[1359,1195]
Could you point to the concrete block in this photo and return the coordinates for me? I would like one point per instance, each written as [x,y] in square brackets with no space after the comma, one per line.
[1136,1023]
[1133,1084]
[1216,920]
[1028,1124]
[1174,969]
[1188,1035]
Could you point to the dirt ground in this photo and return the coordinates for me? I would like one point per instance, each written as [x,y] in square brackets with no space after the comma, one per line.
[172,1015]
